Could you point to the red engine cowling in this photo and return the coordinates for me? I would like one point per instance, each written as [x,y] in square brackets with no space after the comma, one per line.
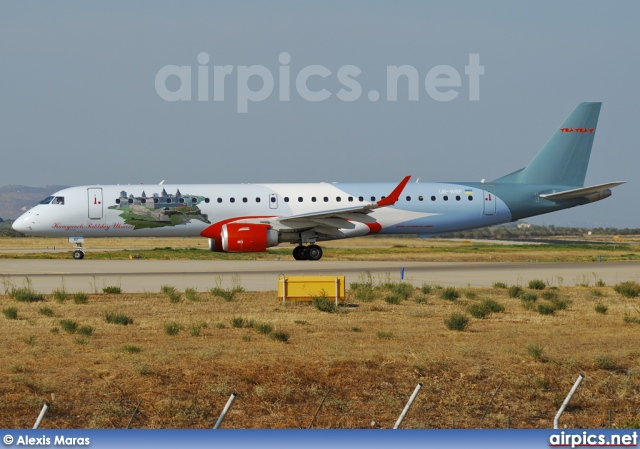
[247,238]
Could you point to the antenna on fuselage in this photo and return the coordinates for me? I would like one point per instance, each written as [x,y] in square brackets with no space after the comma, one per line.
[162,182]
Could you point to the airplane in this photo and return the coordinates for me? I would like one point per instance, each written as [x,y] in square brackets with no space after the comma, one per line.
[254,217]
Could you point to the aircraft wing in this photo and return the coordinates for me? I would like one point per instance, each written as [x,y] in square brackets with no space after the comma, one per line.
[581,192]
[329,221]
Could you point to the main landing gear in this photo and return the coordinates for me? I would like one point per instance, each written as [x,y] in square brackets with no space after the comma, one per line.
[311,252]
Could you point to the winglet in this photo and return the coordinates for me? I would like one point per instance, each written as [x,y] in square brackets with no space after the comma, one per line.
[395,195]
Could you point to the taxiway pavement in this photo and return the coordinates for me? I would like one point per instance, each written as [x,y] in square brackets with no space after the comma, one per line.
[136,276]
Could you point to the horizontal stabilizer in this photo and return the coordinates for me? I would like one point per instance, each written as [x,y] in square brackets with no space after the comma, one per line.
[581,192]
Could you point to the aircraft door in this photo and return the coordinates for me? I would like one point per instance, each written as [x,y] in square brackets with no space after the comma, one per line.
[95,203]
[273,201]
[489,200]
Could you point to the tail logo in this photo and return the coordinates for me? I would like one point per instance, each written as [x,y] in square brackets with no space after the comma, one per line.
[577,130]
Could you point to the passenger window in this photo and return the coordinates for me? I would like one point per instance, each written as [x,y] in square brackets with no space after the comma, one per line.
[117,201]
[361,198]
[257,199]
[433,198]
[338,199]
[420,198]
[299,199]
[313,199]
[156,200]
[286,199]
[168,200]
[143,200]
[131,200]
[244,200]
[219,200]
[470,197]
[350,199]
[408,198]
[181,200]
[326,199]
[194,200]
[206,200]
[273,199]
[457,197]
[373,198]
[446,198]
[232,200]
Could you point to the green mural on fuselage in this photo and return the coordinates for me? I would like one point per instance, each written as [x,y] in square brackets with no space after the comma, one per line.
[159,209]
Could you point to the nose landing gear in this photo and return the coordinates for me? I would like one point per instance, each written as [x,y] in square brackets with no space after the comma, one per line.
[311,252]
[78,254]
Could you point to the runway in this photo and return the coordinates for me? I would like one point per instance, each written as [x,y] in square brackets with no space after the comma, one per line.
[136,276]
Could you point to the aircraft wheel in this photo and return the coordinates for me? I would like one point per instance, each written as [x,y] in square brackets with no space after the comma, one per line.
[314,252]
[299,253]
[78,255]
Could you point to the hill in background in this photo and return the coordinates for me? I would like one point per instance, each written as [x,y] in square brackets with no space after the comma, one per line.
[14,200]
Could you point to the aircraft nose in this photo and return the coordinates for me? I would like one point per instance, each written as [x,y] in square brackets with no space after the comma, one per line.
[23,223]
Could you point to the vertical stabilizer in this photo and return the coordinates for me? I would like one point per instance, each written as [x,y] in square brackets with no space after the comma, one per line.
[565,157]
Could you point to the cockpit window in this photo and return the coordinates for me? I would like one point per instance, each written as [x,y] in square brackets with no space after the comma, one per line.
[47,200]
[58,200]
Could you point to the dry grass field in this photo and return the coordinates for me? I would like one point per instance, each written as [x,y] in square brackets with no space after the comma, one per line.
[355,367]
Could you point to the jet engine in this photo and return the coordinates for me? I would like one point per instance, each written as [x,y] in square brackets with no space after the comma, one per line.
[244,238]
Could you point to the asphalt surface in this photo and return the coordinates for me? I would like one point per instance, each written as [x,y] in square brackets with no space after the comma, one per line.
[149,275]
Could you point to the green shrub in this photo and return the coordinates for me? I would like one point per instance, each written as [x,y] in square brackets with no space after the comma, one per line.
[499,285]
[112,289]
[171,292]
[80,341]
[324,304]
[226,293]
[11,313]
[384,335]
[478,310]
[421,299]
[196,329]
[402,290]
[46,311]
[601,308]
[493,305]
[515,291]
[450,294]
[537,284]
[172,328]
[80,298]
[631,319]
[118,318]
[301,322]
[393,298]
[60,295]
[239,322]
[426,288]
[364,293]
[132,349]
[604,362]
[26,294]
[191,294]
[279,336]
[560,304]
[264,328]
[628,289]
[546,309]
[69,326]
[470,294]
[550,295]
[85,330]
[356,329]
[535,351]
[600,283]
[457,322]
[528,296]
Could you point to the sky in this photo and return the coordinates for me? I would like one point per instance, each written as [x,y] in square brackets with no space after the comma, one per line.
[124,92]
